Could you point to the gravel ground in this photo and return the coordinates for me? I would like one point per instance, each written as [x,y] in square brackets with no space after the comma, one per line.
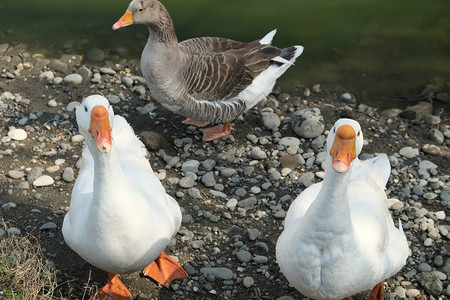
[234,192]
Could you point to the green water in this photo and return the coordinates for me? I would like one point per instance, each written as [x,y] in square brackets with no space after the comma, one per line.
[372,48]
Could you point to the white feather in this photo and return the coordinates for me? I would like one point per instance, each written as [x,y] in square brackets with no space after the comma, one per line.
[267,39]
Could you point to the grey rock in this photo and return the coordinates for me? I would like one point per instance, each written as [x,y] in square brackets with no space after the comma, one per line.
[52,103]
[426,164]
[8,206]
[48,226]
[208,164]
[47,76]
[260,259]
[289,141]
[306,179]
[409,152]
[34,173]
[188,180]
[257,153]
[208,179]
[243,256]
[194,193]
[270,120]
[227,172]
[275,176]
[107,71]
[347,97]
[253,233]
[412,293]
[68,174]
[127,81]
[221,273]
[59,66]
[431,283]
[247,202]
[74,79]
[248,281]
[422,109]
[436,136]
[85,73]
[445,194]
[308,123]
[17,134]
[424,267]
[190,166]
[14,231]
[113,99]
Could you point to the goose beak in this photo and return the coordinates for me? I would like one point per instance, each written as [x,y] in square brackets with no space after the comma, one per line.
[127,19]
[100,129]
[343,150]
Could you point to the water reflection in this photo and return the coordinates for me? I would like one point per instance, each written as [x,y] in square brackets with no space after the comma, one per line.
[373,48]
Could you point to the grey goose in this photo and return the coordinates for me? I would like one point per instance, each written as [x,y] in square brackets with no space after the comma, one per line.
[206,79]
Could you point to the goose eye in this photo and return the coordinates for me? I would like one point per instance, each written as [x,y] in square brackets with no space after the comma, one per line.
[140,9]
[334,129]
[85,109]
[359,133]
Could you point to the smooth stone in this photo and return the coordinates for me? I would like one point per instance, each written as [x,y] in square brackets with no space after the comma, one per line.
[412,293]
[247,202]
[243,256]
[44,180]
[208,179]
[127,81]
[59,66]
[227,172]
[257,153]
[113,99]
[422,109]
[424,267]
[14,231]
[289,141]
[426,164]
[48,226]
[188,181]
[260,259]
[108,71]
[431,149]
[86,73]
[75,79]
[270,120]
[47,76]
[17,134]
[68,175]
[221,273]
[155,141]
[409,152]
[306,179]
[190,166]
[208,164]
[253,233]
[78,138]
[347,97]
[275,176]
[436,136]
[16,174]
[240,192]
[52,169]
[231,204]
[52,103]
[7,206]
[248,281]
[308,123]
[194,193]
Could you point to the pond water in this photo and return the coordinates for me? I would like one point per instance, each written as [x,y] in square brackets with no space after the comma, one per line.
[373,48]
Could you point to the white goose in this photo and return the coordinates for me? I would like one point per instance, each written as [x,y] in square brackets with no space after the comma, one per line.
[339,238]
[120,217]
[206,79]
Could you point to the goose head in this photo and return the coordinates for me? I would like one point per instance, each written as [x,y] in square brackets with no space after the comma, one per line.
[344,143]
[146,12]
[94,118]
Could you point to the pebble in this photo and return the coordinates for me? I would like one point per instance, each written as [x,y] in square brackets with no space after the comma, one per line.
[347,97]
[75,79]
[78,138]
[248,281]
[208,179]
[289,141]
[436,136]
[59,66]
[243,256]
[308,123]
[190,166]
[14,231]
[47,76]
[113,99]
[270,120]
[44,180]
[257,153]
[221,273]
[16,174]
[209,164]
[409,152]
[52,103]
[48,226]
[424,267]
[8,206]
[288,161]
[227,172]
[188,180]
[431,283]
[72,106]
[17,134]
[108,71]
[68,175]
[127,81]
[247,202]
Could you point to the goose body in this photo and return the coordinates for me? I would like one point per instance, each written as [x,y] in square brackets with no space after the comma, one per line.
[339,238]
[206,79]
[120,218]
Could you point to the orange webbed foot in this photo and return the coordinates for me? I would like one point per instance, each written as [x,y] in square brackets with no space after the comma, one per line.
[194,122]
[216,132]
[377,292]
[113,290]
[164,270]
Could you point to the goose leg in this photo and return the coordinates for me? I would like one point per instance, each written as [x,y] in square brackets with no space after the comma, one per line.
[113,290]
[189,121]
[164,270]
[215,132]
[377,292]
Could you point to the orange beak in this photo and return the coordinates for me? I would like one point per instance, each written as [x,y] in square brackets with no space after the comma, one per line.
[100,129]
[343,150]
[127,19]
